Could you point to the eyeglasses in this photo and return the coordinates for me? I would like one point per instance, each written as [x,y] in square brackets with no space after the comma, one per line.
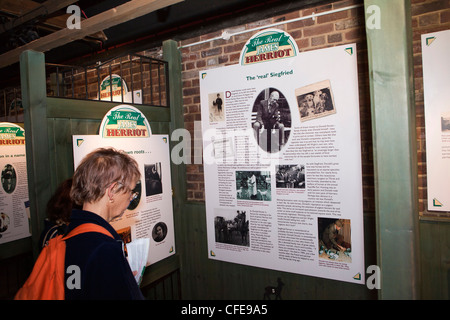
[133,195]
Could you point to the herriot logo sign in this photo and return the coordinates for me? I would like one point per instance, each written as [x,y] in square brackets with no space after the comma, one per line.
[113,88]
[11,134]
[268,45]
[125,121]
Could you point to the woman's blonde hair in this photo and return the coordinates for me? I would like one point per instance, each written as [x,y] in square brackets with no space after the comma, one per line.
[98,170]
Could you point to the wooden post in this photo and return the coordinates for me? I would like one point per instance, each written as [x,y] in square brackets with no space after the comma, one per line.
[389,40]
[34,100]
[173,57]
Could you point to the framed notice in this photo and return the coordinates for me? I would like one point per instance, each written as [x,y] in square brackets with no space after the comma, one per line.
[150,215]
[282,159]
[436,84]
[14,205]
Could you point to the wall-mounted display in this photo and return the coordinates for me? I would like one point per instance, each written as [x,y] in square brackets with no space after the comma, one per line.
[150,214]
[436,84]
[114,88]
[14,205]
[282,160]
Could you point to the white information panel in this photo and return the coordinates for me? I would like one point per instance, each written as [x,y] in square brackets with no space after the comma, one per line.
[14,205]
[151,214]
[436,84]
[282,159]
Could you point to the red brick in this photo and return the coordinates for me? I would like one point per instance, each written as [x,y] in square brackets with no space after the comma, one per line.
[445,16]
[318,41]
[429,19]
[332,38]
[319,29]
[333,17]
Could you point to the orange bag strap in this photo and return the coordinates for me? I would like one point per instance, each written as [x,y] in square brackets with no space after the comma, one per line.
[87,227]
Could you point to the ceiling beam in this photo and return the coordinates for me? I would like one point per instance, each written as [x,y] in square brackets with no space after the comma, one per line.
[44,9]
[107,19]
[21,8]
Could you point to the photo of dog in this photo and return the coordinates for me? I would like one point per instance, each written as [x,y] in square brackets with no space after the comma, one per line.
[315,100]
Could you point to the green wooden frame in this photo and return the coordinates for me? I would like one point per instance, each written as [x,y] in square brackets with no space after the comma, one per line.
[49,125]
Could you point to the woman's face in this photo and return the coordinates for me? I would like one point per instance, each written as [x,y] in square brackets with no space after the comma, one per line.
[159,232]
[121,202]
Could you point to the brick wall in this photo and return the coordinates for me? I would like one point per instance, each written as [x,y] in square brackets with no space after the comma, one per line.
[139,73]
[324,31]
[428,16]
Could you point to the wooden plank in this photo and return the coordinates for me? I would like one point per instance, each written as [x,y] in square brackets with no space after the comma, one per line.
[435,259]
[93,109]
[204,278]
[430,252]
[33,11]
[107,19]
[63,145]
[160,269]
[18,7]
[46,22]
[52,152]
[13,248]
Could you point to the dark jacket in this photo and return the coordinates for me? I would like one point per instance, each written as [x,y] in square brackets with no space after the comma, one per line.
[50,231]
[104,270]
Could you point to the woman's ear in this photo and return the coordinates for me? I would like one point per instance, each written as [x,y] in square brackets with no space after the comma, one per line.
[110,192]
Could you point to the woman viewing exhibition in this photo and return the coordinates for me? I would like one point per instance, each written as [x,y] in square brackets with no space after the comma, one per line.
[102,186]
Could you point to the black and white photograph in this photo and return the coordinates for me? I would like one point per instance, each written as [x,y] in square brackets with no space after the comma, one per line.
[4,222]
[159,232]
[9,178]
[253,185]
[153,178]
[315,100]
[445,122]
[231,226]
[290,176]
[216,107]
[271,120]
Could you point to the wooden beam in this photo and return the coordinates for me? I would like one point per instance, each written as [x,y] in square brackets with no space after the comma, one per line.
[46,22]
[17,7]
[123,13]
[46,8]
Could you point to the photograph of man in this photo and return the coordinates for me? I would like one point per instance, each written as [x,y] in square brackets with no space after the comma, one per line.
[253,185]
[153,183]
[9,179]
[290,176]
[335,239]
[232,227]
[445,122]
[331,236]
[272,119]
